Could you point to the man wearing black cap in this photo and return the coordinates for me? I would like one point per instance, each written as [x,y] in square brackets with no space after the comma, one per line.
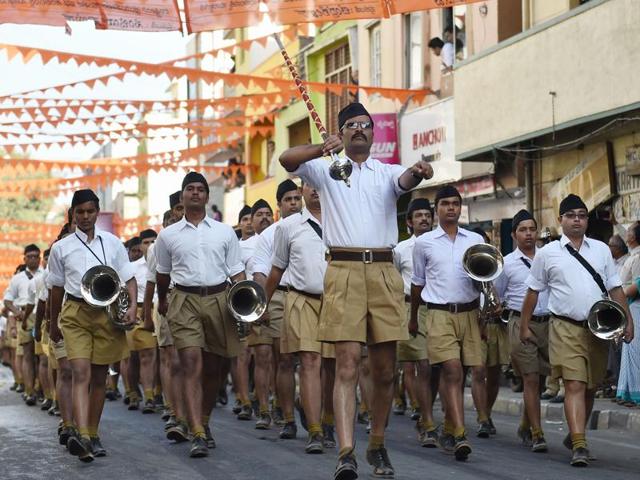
[360,229]
[453,332]
[92,341]
[16,299]
[412,353]
[575,354]
[199,255]
[176,205]
[530,359]
[147,238]
[142,343]
[266,340]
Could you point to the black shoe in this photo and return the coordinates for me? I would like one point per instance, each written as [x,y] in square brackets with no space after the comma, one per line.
[347,468]
[580,457]
[170,423]
[80,447]
[56,411]
[178,433]
[289,431]
[547,395]
[198,447]
[447,443]
[524,434]
[134,403]
[363,418]
[245,412]
[462,448]
[539,445]
[493,430]
[60,426]
[379,460]
[65,434]
[46,405]
[166,414]
[30,400]
[126,399]
[399,408]
[264,422]
[111,395]
[237,406]
[158,402]
[328,438]
[567,442]
[301,414]
[484,430]
[98,449]
[314,444]
[223,398]
[149,407]
[415,414]
[13,387]
[211,443]
[557,399]
[20,388]
[428,439]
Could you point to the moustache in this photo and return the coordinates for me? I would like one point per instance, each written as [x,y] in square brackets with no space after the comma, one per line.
[359,135]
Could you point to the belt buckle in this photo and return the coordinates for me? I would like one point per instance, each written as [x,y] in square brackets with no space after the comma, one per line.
[203,291]
[453,308]
[367,256]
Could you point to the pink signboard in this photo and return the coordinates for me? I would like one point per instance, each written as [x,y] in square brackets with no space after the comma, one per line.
[385,138]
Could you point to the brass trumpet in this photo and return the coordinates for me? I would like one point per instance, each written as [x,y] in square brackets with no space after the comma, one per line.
[101,287]
[484,263]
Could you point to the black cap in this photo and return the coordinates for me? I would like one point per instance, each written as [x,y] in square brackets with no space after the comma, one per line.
[287,186]
[445,192]
[195,177]
[148,233]
[132,242]
[82,196]
[31,248]
[246,210]
[418,204]
[571,202]
[521,216]
[175,198]
[350,111]
[260,204]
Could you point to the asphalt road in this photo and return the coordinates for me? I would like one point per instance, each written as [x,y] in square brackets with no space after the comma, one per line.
[138,450]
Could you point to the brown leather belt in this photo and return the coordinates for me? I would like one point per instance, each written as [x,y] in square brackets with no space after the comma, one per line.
[73,298]
[317,296]
[204,291]
[535,318]
[364,256]
[140,304]
[580,323]
[282,288]
[407,299]
[454,307]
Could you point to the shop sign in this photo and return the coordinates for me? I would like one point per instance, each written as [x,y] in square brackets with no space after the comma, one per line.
[592,179]
[385,138]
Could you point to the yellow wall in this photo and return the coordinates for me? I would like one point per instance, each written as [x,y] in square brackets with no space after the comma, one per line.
[590,60]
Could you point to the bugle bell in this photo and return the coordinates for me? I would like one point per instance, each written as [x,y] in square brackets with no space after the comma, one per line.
[607,320]
[484,263]
[101,287]
[247,301]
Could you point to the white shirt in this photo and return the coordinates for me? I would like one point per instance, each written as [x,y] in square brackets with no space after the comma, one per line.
[141,271]
[630,270]
[21,289]
[572,289]
[511,286]
[70,259]
[38,288]
[198,256]
[152,263]
[263,253]
[447,54]
[363,215]
[299,250]
[403,260]
[247,247]
[437,265]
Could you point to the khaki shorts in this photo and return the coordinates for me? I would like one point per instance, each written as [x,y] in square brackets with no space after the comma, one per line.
[300,326]
[45,338]
[38,350]
[13,342]
[138,338]
[362,302]
[576,354]
[26,336]
[163,332]
[203,322]
[328,350]
[88,333]
[495,349]
[265,334]
[454,336]
[57,352]
[533,356]
[414,349]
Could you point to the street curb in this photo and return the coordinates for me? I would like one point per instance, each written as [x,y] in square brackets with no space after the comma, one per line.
[601,418]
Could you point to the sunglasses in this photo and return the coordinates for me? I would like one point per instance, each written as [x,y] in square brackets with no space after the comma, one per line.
[358,125]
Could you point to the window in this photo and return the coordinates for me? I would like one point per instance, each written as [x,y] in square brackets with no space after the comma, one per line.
[413,51]
[337,67]
[375,35]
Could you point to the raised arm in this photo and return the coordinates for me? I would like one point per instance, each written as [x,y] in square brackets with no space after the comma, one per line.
[292,158]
